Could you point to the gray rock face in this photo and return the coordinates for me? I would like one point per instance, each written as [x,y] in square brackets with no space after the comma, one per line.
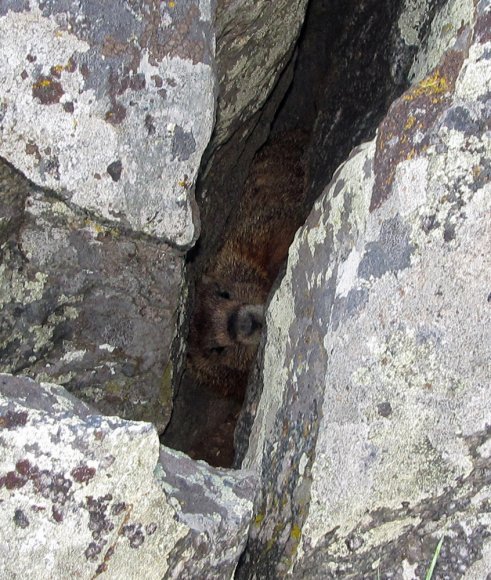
[95,104]
[108,108]
[88,306]
[372,434]
[84,496]
[249,63]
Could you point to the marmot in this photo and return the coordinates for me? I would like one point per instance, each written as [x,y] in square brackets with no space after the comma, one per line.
[229,307]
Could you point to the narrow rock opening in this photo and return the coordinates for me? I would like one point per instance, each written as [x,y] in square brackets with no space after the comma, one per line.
[256,191]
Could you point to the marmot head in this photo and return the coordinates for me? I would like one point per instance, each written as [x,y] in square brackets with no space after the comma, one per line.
[225,330]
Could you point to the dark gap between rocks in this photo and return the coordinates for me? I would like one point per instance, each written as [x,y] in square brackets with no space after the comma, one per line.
[344,80]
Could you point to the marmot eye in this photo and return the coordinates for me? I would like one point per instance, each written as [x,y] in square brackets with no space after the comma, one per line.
[224,294]
[217,349]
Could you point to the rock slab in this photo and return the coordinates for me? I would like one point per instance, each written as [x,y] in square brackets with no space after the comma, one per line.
[89,496]
[372,435]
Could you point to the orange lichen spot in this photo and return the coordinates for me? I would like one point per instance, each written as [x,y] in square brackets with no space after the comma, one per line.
[436,84]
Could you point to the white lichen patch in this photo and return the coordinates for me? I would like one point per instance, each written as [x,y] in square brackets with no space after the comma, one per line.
[448,21]
[348,273]
[74,355]
[474,80]
[412,17]
[15,288]
[358,190]
[410,186]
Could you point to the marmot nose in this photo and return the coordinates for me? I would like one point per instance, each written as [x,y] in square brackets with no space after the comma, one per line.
[248,323]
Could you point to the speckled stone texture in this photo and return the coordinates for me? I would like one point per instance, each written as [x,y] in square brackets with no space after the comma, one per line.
[372,435]
[107,107]
[95,104]
[86,305]
[87,496]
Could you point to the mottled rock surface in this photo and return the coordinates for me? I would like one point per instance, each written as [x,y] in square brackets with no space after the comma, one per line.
[250,61]
[89,496]
[372,435]
[95,104]
[85,305]
[107,108]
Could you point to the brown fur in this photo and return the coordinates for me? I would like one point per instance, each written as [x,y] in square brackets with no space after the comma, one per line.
[225,328]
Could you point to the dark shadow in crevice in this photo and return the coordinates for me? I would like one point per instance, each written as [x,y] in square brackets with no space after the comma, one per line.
[350,66]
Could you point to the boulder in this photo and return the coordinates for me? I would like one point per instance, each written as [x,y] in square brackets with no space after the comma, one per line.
[95,105]
[372,433]
[105,111]
[86,496]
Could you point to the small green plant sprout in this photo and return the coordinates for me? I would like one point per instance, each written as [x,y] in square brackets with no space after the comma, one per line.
[429,574]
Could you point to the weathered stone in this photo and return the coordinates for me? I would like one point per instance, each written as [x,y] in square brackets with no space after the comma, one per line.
[85,496]
[372,433]
[254,42]
[97,104]
[90,307]
[110,107]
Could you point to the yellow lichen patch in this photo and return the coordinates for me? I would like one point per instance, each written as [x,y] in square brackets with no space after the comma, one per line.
[436,84]
[99,229]
[296,532]
[58,68]
[43,83]
[411,120]
[259,519]
[476,171]
[411,154]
